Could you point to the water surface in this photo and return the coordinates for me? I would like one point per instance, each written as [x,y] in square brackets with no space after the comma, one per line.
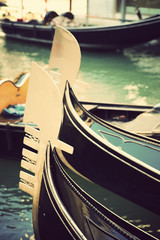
[15,206]
[131,75]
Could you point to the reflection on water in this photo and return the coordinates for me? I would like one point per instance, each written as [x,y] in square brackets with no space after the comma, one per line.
[146,59]
[131,75]
[17,57]
[133,94]
[15,206]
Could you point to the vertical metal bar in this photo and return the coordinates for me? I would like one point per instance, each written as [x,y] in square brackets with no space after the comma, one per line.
[123,10]
[87,12]
[22,7]
[70,5]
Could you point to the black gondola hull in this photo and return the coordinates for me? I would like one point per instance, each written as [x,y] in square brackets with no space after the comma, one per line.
[105,165]
[11,138]
[11,134]
[121,36]
[67,211]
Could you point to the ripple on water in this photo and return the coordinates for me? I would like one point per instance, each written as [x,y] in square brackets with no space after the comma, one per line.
[15,214]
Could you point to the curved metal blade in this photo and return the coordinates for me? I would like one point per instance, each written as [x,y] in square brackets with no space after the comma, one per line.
[65,56]
[43,104]
[44,110]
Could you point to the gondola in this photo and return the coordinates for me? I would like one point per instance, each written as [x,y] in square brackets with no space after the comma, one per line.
[118,36]
[77,162]
[13,92]
[143,120]
[13,97]
[12,126]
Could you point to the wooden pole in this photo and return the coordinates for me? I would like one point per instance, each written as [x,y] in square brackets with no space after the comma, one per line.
[22,9]
[87,12]
[70,5]
[45,5]
[123,10]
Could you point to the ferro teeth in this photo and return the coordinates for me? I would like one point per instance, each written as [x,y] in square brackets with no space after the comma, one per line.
[30,143]
[32,131]
[31,156]
[28,166]
[26,188]
[26,177]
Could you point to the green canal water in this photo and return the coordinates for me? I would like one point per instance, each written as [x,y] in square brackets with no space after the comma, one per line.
[130,75]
